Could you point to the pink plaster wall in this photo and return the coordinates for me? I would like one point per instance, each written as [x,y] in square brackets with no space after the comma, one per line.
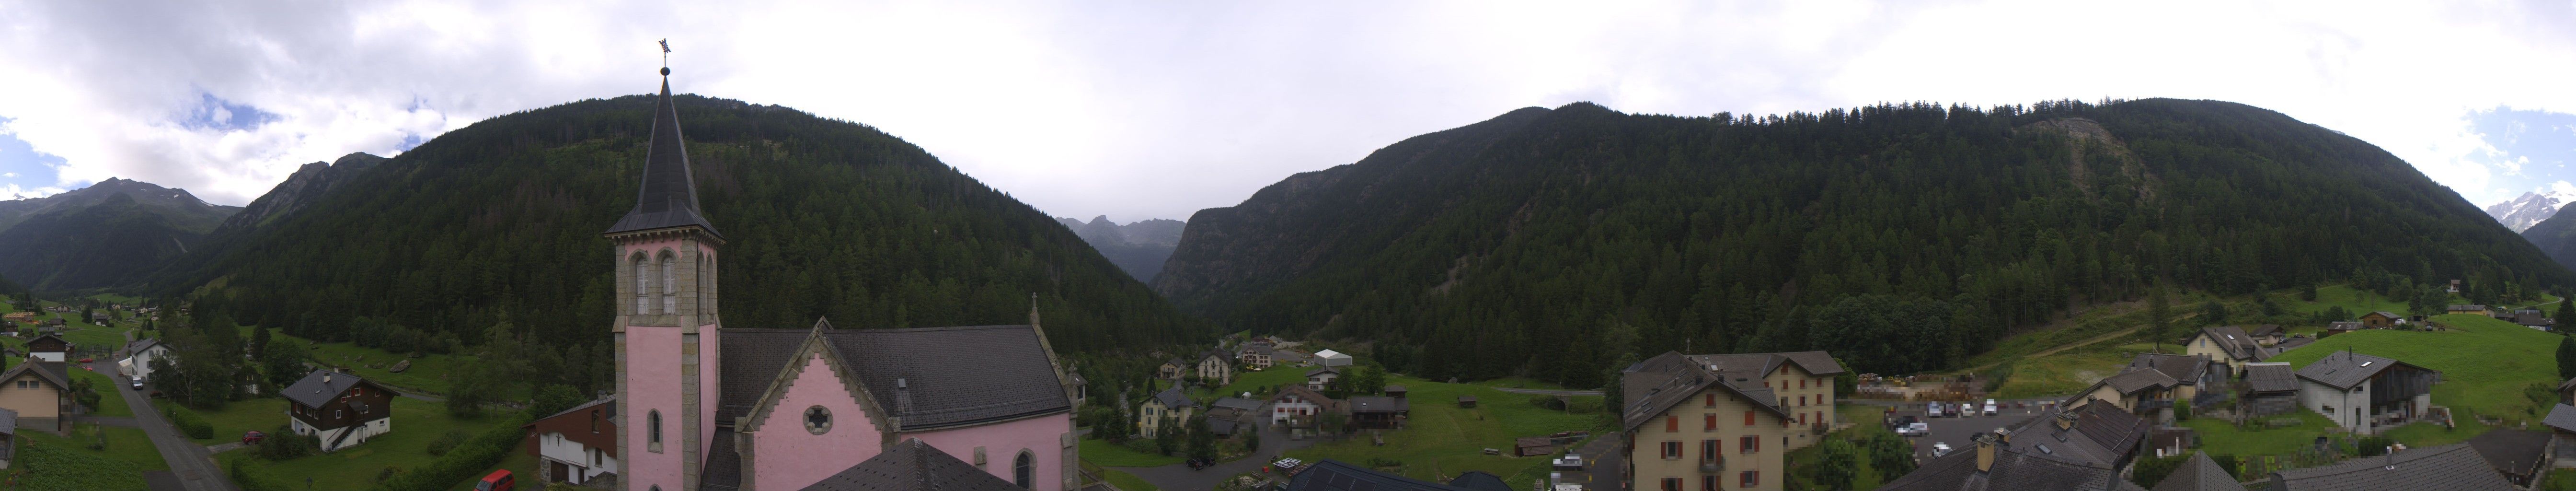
[786,456]
[653,384]
[1041,436]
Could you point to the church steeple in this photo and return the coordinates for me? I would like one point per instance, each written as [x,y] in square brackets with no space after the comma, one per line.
[669,197]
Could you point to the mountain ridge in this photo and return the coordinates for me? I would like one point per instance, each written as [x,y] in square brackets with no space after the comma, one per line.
[2521,212]
[1138,247]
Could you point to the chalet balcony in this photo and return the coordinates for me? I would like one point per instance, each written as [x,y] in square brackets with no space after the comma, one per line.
[1712,465]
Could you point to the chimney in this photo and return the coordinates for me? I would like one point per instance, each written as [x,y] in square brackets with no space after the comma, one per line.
[326,377]
[2066,420]
[1985,452]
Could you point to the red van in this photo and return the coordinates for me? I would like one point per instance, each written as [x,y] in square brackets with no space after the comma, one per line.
[499,481]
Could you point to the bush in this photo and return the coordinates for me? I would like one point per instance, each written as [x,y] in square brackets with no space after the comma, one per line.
[464,461]
[387,473]
[445,442]
[1548,402]
[2150,471]
[283,444]
[188,422]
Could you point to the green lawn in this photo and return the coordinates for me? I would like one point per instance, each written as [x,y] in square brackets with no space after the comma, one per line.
[1254,381]
[110,403]
[2061,373]
[2354,301]
[1103,453]
[2560,480]
[1521,383]
[1127,482]
[416,423]
[123,444]
[2485,363]
[52,466]
[1441,439]
[427,374]
[2220,438]
[263,414]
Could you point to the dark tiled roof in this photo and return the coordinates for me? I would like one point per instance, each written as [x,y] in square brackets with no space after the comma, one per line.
[31,342]
[1480,481]
[1335,475]
[1321,370]
[2454,467]
[2232,340]
[1661,390]
[2510,450]
[2133,382]
[2343,326]
[1394,389]
[1378,404]
[140,344]
[2467,307]
[2199,474]
[1174,399]
[1237,403]
[1222,426]
[611,412]
[2562,417]
[1815,362]
[2389,315]
[913,466]
[2266,330]
[2041,457]
[723,468]
[669,196]
[2344,369]
[952,376]
[2271,377]
[2183,369]
[51,371]
[313,391]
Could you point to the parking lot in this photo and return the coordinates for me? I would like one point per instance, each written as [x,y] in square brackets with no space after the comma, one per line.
[1955,431]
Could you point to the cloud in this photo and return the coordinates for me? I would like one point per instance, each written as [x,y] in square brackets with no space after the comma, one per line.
[1144,110]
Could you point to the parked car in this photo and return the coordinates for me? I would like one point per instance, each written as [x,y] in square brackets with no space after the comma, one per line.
[499,480]
[1940,449]
[1571,462]
[253,437]
[1916,429]
[1932,410]
[138,384]
[84,360]
[1990,407]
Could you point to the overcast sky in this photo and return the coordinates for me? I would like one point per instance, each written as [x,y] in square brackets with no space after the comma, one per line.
[1157,109]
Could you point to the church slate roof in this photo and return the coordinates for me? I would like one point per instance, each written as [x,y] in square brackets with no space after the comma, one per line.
[669,196]
[913,466]
[951,376]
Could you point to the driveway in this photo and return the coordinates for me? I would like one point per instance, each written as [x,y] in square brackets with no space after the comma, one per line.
[1602,464]
[1955,431]
[1179,477]
[194,469]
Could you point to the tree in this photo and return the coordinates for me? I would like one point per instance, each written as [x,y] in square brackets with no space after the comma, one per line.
[2566,357]
[2159,316]
[283,361]
[259,339]
[1202,442]
[2213,313]
[2566,313]
[1833,466]
[1371,380]
[1889,454]
[554,399]
[1167,437]
[1252,441]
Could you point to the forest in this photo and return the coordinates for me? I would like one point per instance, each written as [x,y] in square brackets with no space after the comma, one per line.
[1562,244]
[492,232]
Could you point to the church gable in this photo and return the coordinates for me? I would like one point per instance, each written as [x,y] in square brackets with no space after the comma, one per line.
[815,365]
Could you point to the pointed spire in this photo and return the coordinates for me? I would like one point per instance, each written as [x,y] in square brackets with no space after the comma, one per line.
[669,195]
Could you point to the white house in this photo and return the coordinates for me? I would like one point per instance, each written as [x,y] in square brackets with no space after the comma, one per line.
[339,408]
[576,445]
[139,355]
[1320,377]
[1332,358]
[2367,393]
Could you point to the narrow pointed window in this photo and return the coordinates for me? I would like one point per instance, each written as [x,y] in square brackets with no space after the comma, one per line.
[670,285]
[643,286]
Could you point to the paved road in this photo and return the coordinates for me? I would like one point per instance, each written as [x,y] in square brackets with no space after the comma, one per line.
[1179,477]
[194,468]
[1602,464]
[1955,431]
[1552,392]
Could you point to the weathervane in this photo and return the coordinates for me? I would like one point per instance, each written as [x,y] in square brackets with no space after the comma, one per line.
[666,57]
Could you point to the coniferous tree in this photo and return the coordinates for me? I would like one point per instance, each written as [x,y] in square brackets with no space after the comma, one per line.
[2567,357]
[2159,316]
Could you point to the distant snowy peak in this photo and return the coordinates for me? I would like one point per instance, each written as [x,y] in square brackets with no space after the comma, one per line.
[2530,208]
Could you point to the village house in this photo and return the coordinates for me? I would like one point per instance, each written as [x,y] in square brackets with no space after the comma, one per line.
[2225,344]
[704,407]
[2268,334]
[2366,393]
[19,317]
[1321,377]
[2271,388]
[339,408]
[1216,368]
[1301,408]
[1691,412]
[1171,406]
[49,347]
[1255,357]
[139,355]
[1378,412]
[1172,369]
[2152,383]
[2523,457]
[2561,422]
[1229,416]
[2454,467]
[2531,318]
[2284,346]
[576,445]
[39,393]
[2381,320]
[101,317]
[2199,473]
[2084,448]
[2468,309]
[1335,475]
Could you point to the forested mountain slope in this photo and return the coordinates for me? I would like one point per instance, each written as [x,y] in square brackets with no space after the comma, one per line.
[501,221]
[299,190]
[114,232]
[2555,236]
[1903,237]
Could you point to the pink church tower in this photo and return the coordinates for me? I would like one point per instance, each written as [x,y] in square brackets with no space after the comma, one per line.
[666,328]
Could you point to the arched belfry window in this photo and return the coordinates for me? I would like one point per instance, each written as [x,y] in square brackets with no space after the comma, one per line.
[670,285]
[643,285]
[706,284]
[1024,470]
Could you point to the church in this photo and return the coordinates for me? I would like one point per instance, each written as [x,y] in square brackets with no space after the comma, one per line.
[706,407]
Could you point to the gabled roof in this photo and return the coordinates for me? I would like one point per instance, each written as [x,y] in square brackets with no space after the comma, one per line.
[2231,340]
[2511,451]
[2271,377]
[607,403]
[49,371]
[913,466]
[1236,403]
[2345,369]
[1480,481]
[1689,379]
[1331,354]
[2199,474]
[1379,404]
[2287,344]
[314,390]
[2137,381]
[1323,370]
[2454,467]
[2183,369]
[137,346]
[2466,307]
[2266,330]
[1173,398]
[31,342]
[1335,475]
[669,195]
[931,377]
[2561,418]
[2344,326]
[2383,313]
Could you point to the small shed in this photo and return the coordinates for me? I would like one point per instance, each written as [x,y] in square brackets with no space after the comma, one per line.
[1467,401]
[1332,358]
[1395,391]
[1533,446]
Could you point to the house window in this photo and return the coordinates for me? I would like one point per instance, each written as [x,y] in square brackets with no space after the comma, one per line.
[1672,484]
[1024,470]
[337,414]
[1748,445]
[1710,450]
[1802,383]
[1752,478]
[1802,400]
[1802,418]
[1707,483]
[594,421]
[818,420]
[1673,450]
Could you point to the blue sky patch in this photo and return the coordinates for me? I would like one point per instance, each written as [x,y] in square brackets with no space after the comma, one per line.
[218,114]
[22,166]
[2536,146]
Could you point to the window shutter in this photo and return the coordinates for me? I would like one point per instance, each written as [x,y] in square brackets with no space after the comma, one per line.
[1672,424]
[1748,417]
[1711,419]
